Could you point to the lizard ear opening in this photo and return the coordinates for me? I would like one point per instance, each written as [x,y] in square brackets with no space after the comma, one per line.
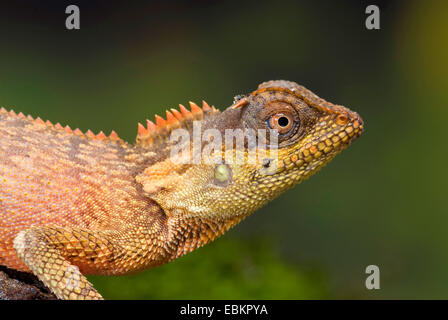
[223,175]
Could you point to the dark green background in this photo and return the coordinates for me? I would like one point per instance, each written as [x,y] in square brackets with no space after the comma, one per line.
[382,201]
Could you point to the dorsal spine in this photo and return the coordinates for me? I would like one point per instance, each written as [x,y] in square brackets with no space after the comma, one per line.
[182,118]
[113,137]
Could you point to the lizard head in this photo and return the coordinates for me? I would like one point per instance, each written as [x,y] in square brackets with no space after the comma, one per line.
[288,132]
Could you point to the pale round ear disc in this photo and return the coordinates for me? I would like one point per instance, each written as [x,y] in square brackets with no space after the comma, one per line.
[223,174]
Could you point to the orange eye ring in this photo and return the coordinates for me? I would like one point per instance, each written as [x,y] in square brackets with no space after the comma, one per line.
[281,122]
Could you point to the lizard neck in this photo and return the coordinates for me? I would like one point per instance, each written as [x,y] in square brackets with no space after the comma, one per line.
[186,234]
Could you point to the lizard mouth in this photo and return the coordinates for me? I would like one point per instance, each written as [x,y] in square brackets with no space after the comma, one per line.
[325,144]
[349,127]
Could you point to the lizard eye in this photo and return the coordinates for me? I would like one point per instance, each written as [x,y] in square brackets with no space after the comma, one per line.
[282,122]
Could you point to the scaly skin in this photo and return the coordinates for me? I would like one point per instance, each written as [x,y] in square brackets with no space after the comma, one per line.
[74,203]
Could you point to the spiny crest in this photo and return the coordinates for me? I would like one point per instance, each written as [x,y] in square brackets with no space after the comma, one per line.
[175,119]
[113,137]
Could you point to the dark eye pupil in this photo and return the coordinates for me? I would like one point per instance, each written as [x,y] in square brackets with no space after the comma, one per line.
[283,121]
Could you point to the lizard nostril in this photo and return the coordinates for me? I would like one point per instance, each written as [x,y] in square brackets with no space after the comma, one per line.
[341,119]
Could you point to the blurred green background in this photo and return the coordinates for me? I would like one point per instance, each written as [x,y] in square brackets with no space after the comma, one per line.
[382,201]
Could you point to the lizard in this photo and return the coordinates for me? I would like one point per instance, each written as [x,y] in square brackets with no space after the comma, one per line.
[74,203]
